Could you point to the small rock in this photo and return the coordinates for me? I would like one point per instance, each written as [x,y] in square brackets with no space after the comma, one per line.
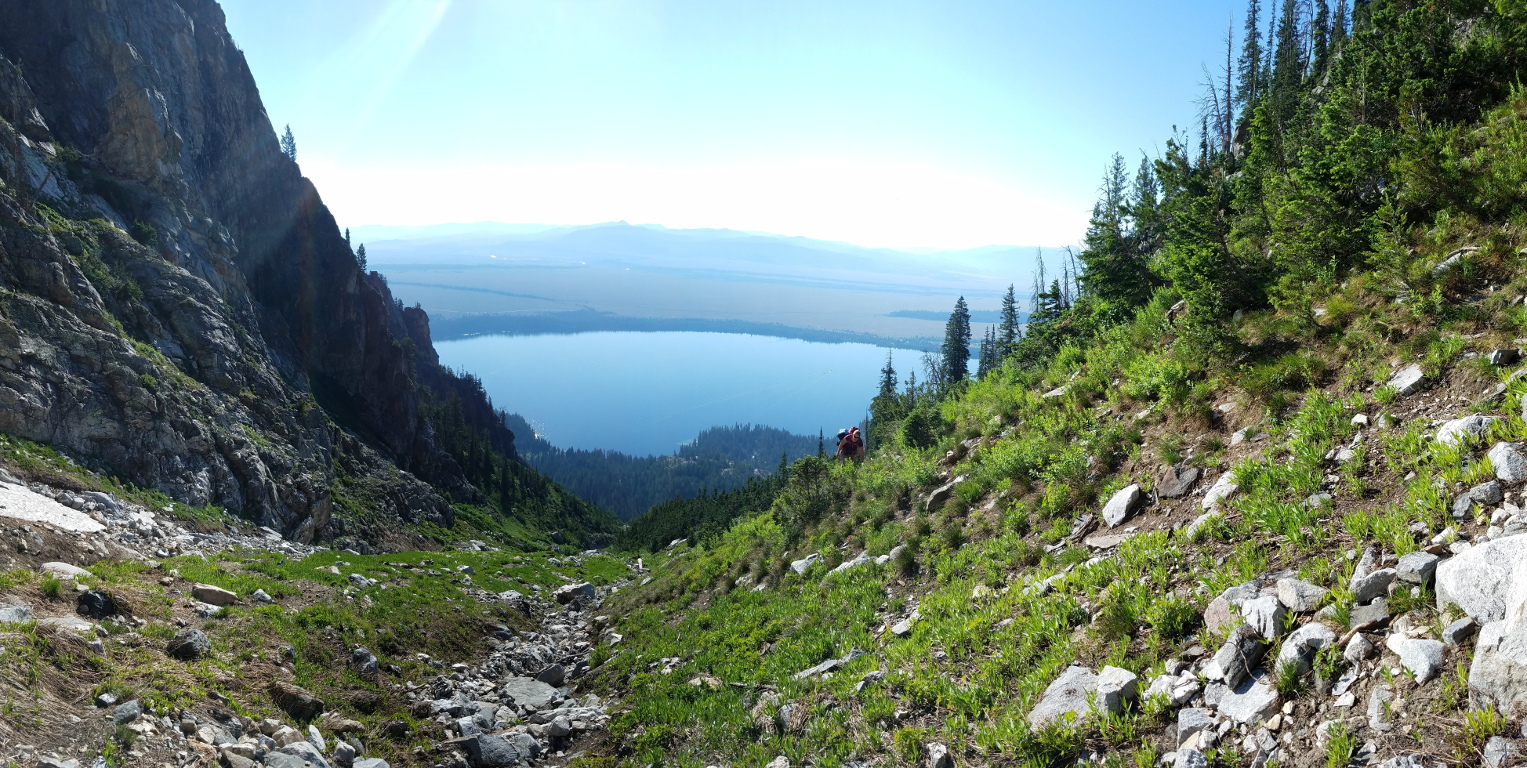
[1373,585]
[1190,758]
[1488,494]
[95,604]
[1421,658]
[1116,689]
[1299,596]
[1370,615]
[188,645]
[1358,648]
[213,595]
[126,713]
[938,756]
[259,596]
[1191,720]
[1417,568]
[1459,632]
[1499,752]
[1175,483]
[316,739]
[1378,713]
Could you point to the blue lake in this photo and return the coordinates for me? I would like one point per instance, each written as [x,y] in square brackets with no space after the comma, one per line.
[647,393]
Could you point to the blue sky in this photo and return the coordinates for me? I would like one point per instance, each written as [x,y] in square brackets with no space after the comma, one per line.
[887,123]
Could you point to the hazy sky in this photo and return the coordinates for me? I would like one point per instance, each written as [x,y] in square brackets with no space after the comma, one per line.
[944,123]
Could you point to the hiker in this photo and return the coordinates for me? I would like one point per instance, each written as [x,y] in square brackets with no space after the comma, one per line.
[851,445]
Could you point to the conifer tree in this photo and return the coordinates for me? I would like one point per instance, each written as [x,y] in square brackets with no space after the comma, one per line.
[821,444]
[347,239]
[957,343]
[1249,65]
[887,377]
[1320,40]
[1338,29]
[1007,337]
[360,257]
[289,144]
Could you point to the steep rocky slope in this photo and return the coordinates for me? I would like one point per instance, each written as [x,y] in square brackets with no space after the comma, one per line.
[177,306]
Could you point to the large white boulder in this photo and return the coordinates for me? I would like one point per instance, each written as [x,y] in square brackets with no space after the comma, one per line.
[1408,379]
[1477,580]
[1118,508]
[1069,694]
[1498,676]
[1469,428]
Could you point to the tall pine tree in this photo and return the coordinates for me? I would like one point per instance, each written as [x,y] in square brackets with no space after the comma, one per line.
[956,350]
[1249,65]
[1008,330]
[289,144]
[887,377]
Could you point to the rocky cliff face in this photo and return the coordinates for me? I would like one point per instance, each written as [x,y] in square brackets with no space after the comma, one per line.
[177,305]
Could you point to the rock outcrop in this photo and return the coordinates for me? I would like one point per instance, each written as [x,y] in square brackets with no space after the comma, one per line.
[177,305]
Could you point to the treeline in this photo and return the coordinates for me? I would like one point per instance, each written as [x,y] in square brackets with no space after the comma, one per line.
[1331,141]
[719,459]
[473,434]
[700,518]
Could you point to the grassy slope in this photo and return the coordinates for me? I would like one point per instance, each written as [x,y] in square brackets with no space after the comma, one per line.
[1135,403]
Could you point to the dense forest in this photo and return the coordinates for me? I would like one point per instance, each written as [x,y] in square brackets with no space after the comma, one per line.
[719,459]
[1331,142]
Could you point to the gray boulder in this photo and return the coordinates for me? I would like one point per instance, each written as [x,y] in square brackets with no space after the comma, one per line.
[1175,482]
[1299,596]
[941,494]
[1236,659]
[1266,615]
[570,592]
[1408,380]
[1417,567]
[553,675]
[1470,428]
[527,692]
[1119,507]
[1250,702]
[804,564]
[1509,462]
[1421,658]
[306,752]
[213,595]
[1301,645]
[1477,580]
[1117,689]
[1372,586]
[1489,493]
[488,751]
[15,614]
[188,645]
[1066,696]
[128,712]
[1498,675]
[370,762]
